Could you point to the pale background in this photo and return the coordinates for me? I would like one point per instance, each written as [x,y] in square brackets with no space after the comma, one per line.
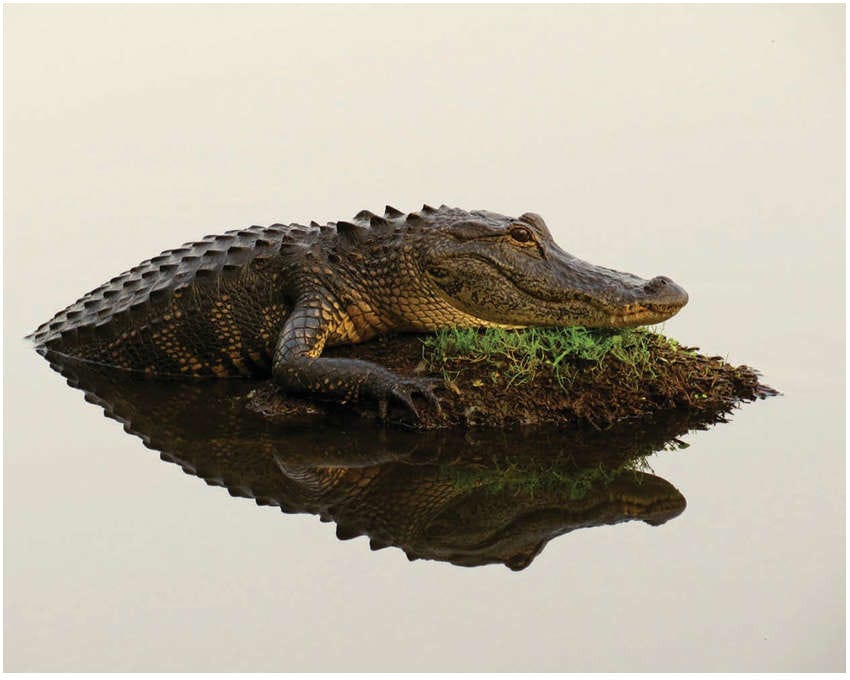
[704,143]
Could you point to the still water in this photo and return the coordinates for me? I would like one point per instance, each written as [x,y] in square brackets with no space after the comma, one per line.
[465,497]
[705,143]
[629,533]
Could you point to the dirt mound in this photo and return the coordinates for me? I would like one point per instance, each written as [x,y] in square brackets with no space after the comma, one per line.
[499,378]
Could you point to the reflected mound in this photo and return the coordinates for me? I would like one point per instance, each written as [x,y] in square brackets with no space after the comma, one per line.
[468,498]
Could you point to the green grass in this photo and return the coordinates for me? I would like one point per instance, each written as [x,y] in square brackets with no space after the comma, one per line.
[566,479]
[520,354]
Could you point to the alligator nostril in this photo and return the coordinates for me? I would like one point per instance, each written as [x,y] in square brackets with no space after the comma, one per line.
[663,290]
[658,283]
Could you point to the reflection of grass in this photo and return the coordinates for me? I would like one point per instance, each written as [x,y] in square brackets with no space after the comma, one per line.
[520,354]
[561,474]
[573,482]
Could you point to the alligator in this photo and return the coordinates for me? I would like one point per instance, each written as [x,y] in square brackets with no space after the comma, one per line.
[493,497]
[267,300]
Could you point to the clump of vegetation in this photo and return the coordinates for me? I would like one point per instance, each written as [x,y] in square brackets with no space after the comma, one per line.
[596,376]
[566,376]
[521,354]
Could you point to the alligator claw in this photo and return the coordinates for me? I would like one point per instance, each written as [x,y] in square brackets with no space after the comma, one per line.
[404,390]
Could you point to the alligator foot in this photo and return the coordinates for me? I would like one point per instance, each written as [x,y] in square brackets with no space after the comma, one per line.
[404,391]
[353,381]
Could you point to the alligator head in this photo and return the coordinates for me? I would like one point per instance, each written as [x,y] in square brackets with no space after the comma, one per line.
[509,271]
[512,526]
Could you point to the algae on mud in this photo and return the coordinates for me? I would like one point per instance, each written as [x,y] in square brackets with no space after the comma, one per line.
[563,376]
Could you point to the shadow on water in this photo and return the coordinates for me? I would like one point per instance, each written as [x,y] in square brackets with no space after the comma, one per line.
[465,497]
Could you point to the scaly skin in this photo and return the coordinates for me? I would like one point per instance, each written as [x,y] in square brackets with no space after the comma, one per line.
[495,497]
[269,299]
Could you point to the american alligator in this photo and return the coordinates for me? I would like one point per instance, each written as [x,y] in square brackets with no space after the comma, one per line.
[269,299]
[491,497]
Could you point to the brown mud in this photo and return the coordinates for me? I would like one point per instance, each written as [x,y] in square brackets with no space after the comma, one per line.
[477,393]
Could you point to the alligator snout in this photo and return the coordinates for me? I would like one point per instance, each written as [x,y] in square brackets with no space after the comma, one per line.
[664,291]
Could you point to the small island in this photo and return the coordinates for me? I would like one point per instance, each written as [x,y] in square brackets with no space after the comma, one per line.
[563,376]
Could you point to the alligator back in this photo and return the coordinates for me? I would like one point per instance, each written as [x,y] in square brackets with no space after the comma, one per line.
[209,308]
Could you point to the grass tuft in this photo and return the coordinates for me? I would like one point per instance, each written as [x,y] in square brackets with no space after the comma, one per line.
[569,376]
[522,354]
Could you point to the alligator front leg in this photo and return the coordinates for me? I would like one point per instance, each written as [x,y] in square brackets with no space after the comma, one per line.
[299,369]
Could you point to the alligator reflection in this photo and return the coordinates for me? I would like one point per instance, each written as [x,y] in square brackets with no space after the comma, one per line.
[469,498]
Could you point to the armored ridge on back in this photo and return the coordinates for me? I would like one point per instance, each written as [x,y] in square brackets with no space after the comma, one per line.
[267,300]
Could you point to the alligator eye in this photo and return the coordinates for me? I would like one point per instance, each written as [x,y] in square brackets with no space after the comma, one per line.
[438,272]
[521,234]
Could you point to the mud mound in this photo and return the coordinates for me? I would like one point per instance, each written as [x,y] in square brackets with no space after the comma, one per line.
[568,377]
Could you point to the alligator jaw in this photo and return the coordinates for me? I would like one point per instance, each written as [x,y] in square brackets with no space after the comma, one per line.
[483,272]
[520,538]
[575,292]
[644,314]
[619,299]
